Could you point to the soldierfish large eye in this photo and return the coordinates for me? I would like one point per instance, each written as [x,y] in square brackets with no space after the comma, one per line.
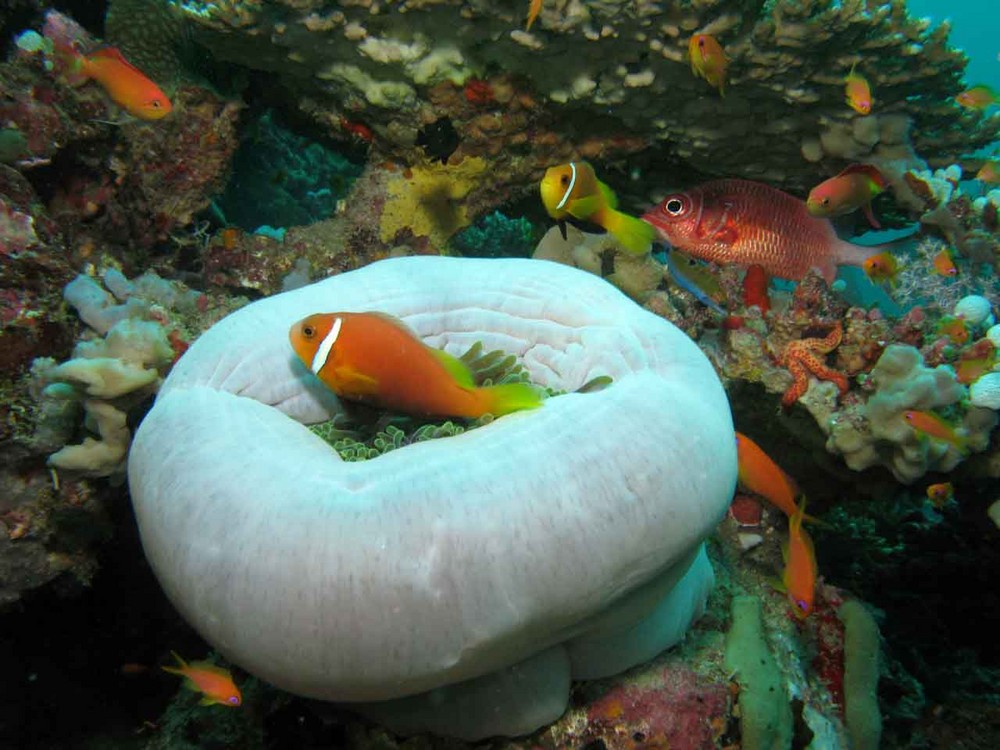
[676,205]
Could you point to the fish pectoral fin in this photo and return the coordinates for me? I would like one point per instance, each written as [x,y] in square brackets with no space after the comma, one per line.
[455,367]
[206,701]
[870,215]
[777,584]
[562,229]
[584,208]
[353,382]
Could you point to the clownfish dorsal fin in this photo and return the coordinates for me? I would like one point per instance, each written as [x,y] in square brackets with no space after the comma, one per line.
[455,367]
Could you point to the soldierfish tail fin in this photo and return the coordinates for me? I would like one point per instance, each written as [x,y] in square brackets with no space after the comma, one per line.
[635,235]
[510,397]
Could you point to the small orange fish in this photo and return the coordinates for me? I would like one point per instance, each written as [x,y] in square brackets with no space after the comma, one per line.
[853,188]
[708,60]
[533,10]
[800,566]
[374,358]
[944,265]
[858,93]
[989,173]
[127,86]
[931,425]
[977,97]
[572,191]
[940,494]
[882,268]
[955,329]
[757,473]
[215,683]
[968,371]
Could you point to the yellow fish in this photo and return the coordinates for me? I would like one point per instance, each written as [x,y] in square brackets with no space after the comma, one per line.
[708,60]
[572,191]
[858,93]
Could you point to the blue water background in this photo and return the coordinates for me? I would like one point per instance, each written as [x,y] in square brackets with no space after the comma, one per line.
[975,28]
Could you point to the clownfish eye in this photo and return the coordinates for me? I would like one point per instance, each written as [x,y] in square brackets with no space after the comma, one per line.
[308,331]
[564,179]
[674,206]
[701,41]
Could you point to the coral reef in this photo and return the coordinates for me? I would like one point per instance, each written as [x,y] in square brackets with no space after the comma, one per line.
[783,115]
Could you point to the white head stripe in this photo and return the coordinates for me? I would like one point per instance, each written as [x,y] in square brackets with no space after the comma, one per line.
[572,184]
[323,353]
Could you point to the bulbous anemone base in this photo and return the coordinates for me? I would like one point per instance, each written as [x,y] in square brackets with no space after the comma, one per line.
[558,543]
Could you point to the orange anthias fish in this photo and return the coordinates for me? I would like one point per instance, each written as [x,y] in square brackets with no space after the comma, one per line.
[978,97]
[573,192]
[215,683]
[944,265]
[800,565]
[882,268]
[745,223]
[858,93]
[955,329]
[926,423]
[940,494]
[850,190]
[757,473]
[989,173]
[374,358]
[127,86]
[708,60]
[533,10]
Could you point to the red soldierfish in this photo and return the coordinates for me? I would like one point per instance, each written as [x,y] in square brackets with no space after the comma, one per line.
[850,190]
[374,358]
[746,223]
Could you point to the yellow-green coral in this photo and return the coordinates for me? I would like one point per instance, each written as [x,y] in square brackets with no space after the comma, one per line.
[430,202]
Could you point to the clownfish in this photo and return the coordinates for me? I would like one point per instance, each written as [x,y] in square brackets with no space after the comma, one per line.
[572,191]
[212,681]
[127,86]
[375,359]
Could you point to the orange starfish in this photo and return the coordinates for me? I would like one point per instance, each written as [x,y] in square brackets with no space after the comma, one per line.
[807,356]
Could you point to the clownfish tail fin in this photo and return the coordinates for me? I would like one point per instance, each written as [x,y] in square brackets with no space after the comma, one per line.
[634,234]
[511,397]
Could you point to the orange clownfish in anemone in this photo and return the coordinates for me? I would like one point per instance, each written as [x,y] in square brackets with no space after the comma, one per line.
[375,359]
[127,86]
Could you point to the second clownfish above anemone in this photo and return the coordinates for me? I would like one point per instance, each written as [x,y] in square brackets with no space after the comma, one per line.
[375,359]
